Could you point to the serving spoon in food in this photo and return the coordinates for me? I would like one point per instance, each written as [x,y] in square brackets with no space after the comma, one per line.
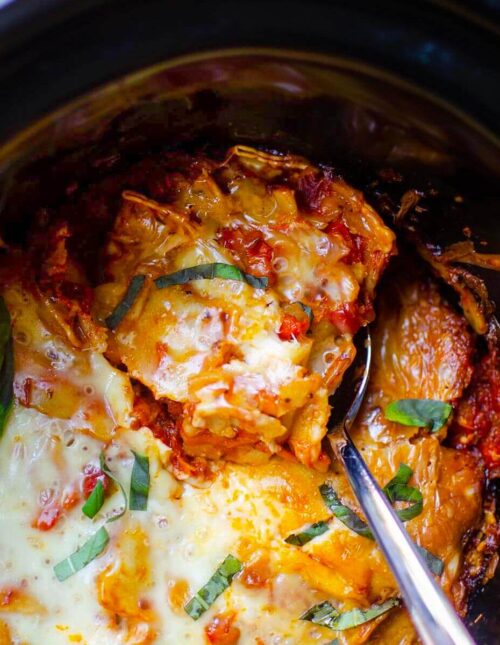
[432,614]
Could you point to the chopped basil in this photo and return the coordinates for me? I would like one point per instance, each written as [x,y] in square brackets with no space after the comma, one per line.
[422,413]
[329,616]
[208,272]
[217,584]
[435,564]
[93,547]
[199,272]
[105,469]
[398,491]
[395,490]
[125,304]
[6,365]
[139,483]
[305,536]
[402,476]
[95,501]
[344,513]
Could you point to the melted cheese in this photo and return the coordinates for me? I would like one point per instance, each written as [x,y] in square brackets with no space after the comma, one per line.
[135,591]
[60,380]
[187,531]
[214,348]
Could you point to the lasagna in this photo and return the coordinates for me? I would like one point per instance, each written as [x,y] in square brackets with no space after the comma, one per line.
[170,340]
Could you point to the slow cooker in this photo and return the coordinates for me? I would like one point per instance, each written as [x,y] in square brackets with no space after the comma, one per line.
[88,85]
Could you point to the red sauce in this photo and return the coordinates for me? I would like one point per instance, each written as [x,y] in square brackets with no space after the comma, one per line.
[250,248]
[347,318]
[221,631]
[53,509]
[165,420]
[355,243]
[291,328]
[48,517]
[477,422]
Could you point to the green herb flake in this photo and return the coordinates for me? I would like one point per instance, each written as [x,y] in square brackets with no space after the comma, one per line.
[327,615]
[209,272]
[397,490]
[421,413]
[344,513]
[309,533]
[94,502]
[217,584]
[126,303]
[139,483]
[106,469]
[6,365]
[92,548]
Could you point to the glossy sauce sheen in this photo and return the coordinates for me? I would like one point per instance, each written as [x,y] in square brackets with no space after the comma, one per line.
[234,435]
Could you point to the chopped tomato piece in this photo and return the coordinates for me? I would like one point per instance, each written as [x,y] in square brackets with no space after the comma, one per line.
[91,475]
[48,517]
[250,248]
[354,242]
[347,318]
[221,631]
[292,328]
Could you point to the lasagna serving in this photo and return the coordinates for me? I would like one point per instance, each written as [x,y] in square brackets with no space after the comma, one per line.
[170,338]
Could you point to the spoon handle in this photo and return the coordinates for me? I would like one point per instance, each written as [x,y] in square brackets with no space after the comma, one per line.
[430,610]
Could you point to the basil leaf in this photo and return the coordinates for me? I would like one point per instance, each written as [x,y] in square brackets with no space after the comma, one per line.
[126,303]
[105,469]
[398,491]
[402,476]
[435,564]
[422,413]
[93,547]
[352,521]
[305,536]
[217,584]
[329,616]
[343,513]
[208,272]
[139,483]
[95,501]
[6,365]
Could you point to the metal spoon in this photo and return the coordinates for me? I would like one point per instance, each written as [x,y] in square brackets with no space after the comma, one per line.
[432,614]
